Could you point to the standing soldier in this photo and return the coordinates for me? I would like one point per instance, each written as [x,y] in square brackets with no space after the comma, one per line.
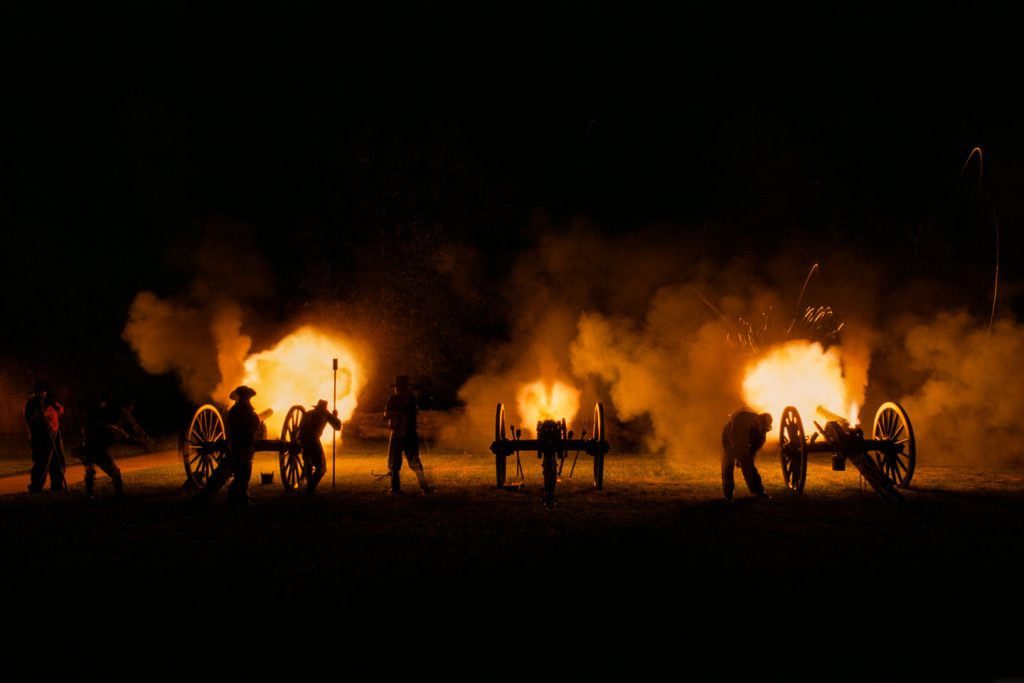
[100,429]
[400,414]
[242,427]
[42,418]
[311,428]
[742,438]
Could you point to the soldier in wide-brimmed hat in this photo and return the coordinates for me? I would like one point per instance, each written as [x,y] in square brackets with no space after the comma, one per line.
[400,414]
[242,426]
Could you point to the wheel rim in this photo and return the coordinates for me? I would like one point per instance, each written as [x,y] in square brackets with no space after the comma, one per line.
[893,425]
[292,471]
[204,444]
[792,449]
[599,435]
[500,459]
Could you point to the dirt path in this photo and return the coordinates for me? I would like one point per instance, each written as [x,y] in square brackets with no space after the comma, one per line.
[18,483]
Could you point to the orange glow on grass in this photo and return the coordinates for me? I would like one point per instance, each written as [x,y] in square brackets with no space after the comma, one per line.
[800,374]
[546,401]
[298,371]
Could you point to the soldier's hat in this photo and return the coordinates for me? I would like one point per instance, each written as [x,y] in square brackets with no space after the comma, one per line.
[39,387]
[402,382]
[242,391]
[320,403]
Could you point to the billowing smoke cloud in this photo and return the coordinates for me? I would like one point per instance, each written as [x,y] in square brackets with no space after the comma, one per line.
[966,389]
[673,367]
[568,273]
[663,331]
[643,324]
[198,336]
[202,345]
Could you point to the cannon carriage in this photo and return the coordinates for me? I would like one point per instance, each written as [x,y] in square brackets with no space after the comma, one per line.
[553,443]
[886,460]
[204,444]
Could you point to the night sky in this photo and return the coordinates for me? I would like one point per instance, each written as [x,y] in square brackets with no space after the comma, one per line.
[339,149]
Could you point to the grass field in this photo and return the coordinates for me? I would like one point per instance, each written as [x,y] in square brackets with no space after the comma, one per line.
[655,560]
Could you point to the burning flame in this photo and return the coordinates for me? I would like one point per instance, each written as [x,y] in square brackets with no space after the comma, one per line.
[542,401]
[800,374]
[298,371]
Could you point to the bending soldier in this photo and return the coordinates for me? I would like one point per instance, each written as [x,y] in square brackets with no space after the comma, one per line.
[242,427]
[311,428]
[100,429]
[400,414]
[742,437]
[42,419]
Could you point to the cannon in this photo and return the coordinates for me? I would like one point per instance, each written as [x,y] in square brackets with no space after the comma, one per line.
[204,444]
[553,443]
[886,460]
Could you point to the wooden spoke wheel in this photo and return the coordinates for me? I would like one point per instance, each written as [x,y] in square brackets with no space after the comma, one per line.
[293,472]
[203,445]
[897,461]
[793,449]
[500,459]
[600,438]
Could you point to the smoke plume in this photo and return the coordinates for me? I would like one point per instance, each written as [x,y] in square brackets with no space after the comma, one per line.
[964,389]
[198,336]
[649,324]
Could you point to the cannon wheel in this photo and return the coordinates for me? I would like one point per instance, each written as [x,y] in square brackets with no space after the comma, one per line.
[892,424]
[499,435]
[793,449]
[599,436]
[292,471]
[199,444]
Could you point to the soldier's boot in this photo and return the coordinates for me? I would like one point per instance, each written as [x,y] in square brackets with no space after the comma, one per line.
[396,482]
[422,479]
[313,480]
[90,483]
[118,486]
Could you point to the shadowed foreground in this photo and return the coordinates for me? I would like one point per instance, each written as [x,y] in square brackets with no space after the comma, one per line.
[653,569]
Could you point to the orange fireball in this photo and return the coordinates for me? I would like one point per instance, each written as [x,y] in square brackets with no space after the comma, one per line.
[298,371]
[800,374]
[546,401]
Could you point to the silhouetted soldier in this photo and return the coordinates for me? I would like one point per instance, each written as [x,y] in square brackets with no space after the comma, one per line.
[742,438]
[100,429]
[243,427]
[400,414]
[42,418]
[311,428]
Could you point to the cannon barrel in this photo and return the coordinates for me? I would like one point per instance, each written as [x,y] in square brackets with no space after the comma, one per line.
[830,416]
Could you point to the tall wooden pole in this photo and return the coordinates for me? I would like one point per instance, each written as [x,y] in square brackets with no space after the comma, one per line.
[334,433]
